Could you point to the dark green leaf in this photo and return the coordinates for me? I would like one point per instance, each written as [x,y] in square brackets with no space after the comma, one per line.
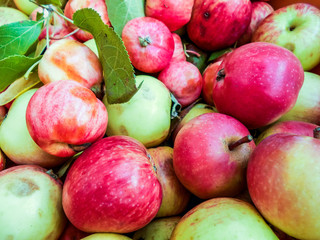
[218,54]
[14,67]
[16,38]
[118,71]
[47,2]
[120,12]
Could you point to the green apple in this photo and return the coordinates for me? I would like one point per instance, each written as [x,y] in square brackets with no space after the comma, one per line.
[158,229]
[25,6]
[295,27]
[223,219]
[307,107]
[31,204]
[146,116]
[15,140]
[106,236]
[10,15]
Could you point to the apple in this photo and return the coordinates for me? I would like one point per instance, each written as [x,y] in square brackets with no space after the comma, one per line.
[158,229]
[223,218]
[69,59]
[2,161]
[210,155]
[260,10]
[175,197]
[98,5]
[70,232]
[307,107]
[174,13]
[284,183]
[295,27]
[149,43]
[178,52]
[10,15]
[184,81]
[112,187]
[146,116]
[292,127]
[216,24]
[64,117]
[15,140]
[106,236]
[25,6]
[276,4]
[30,204]
[257,83]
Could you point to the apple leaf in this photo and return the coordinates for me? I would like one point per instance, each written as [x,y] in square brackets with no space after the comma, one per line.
[117,68]
[14,67]
[218,54]
[121,12]
[18,37]
[47,2]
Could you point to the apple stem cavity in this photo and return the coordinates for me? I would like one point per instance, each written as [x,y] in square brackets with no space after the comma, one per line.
[245,139]
[221,74]
[144,42]
[316,133]
[79,148]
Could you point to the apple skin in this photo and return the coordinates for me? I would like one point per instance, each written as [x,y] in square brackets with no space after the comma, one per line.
[2,161]
[223,218]
[25,6]
[283,173]
[260,10]
[184,81]
[30,204]
[106,236]
[70,232]
[69,59]
[158,229]
[178,53]
[261,75]
[175,197]
[290,127]
[276,4]
[149,43]
[146,116]
[10,15]
[112,187]
[202,160]
[98,5]
[307,107]
[295,27]
[15,139]
[174,13]
[216,24]
[64,117]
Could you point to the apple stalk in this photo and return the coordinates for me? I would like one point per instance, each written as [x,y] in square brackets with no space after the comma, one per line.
[245,139]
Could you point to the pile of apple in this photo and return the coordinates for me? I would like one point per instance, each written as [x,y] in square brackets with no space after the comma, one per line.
[215,134]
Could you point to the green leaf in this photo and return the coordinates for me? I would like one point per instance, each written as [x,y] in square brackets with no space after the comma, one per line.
[47,2]
[16,38]
[117,68]
[121,12]
[218,54]
[14,67]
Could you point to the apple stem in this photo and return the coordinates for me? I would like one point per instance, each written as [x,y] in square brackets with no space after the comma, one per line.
[192,52]
[65,36]
[144,41]
[245,139]
[221,74]
[316,133]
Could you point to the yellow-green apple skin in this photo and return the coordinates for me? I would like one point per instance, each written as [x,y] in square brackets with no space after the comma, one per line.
[15,140]
[25,6]
[146,116]
[10,15]
[307,106]
[106,236]
[223,219]
[158,229]
[31,205]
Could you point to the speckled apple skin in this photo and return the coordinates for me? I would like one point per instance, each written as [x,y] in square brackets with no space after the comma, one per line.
[63,113]
[112,187]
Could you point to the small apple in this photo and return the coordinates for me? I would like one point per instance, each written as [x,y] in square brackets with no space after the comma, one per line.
[64,117]
[30,204]
[295,27]
[10,15]
[178,53]
[223,218]
[112,187]
[210,155]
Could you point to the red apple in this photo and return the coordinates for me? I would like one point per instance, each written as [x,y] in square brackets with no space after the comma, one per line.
[64,117]
[284,183]
[175,197]
[149,43]
[208,158]
[70,232]
[257,83]
[178,53]
[217,24]
[184,81]
[112,187]
[174,13]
